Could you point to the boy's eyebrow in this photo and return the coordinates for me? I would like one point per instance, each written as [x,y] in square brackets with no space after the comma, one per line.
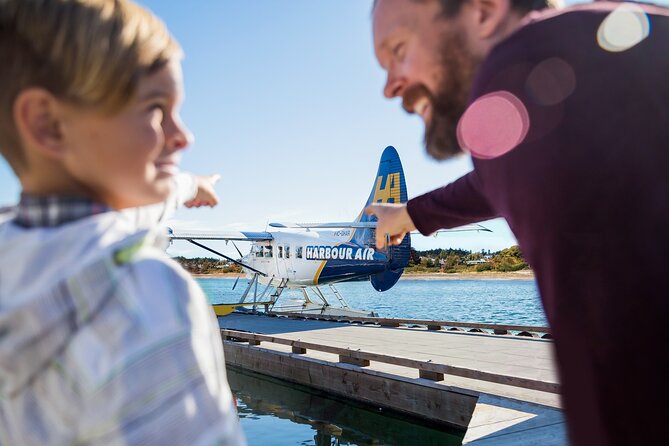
[153,94]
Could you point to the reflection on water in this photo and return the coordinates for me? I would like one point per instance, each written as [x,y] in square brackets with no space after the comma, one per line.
[273,412]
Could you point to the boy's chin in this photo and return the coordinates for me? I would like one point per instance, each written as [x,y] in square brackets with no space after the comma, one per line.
[148,197]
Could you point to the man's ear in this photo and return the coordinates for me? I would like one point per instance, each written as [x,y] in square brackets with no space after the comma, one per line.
[38,122]
[490,16]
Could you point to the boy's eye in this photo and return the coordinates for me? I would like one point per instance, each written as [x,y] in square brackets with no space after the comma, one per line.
[157,108]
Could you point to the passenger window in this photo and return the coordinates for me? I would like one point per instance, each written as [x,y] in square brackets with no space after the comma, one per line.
[298,253]
[280,253]
[268,251]
[287,251]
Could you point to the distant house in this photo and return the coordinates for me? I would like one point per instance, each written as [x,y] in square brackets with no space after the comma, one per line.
[476,262]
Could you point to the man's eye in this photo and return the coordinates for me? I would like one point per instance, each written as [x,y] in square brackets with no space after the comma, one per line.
[398,50]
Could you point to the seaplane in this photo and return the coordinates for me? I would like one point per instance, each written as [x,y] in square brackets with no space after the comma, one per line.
[309,256]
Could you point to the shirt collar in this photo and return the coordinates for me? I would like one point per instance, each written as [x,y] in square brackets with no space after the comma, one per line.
[52,210]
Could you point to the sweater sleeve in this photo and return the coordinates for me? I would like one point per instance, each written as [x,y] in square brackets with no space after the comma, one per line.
[458,203]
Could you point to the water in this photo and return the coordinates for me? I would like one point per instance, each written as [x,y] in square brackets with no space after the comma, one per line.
[276,413]
[273,412]
[491,301]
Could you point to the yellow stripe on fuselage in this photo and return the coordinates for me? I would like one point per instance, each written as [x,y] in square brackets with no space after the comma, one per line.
[318,272]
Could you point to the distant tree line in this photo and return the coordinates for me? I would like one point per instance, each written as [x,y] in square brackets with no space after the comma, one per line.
[461,260]
[431,261]
[207,265]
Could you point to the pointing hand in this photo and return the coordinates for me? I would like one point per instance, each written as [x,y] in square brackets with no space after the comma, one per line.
[206,195]
[394,223]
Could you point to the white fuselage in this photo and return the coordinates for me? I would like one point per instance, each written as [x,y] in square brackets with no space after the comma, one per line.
[300,256]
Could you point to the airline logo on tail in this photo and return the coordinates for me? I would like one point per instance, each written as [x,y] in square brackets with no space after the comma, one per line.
[391,192]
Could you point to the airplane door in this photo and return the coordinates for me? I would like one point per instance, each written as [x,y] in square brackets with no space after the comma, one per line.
[289,262]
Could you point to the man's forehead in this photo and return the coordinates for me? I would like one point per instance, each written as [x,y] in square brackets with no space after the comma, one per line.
[388,16]
[392,15]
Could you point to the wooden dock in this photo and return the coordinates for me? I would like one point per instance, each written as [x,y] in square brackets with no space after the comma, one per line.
[500,389]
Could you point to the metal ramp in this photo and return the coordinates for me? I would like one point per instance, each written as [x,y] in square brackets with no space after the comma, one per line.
[338,295]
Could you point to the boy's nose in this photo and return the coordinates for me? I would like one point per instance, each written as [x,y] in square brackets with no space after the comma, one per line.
[177,135]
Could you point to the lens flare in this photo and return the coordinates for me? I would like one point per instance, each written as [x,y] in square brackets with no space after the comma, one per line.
[623,28]
[493,125]
[551,81]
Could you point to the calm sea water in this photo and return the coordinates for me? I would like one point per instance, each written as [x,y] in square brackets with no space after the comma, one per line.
[274,413]
[491,301]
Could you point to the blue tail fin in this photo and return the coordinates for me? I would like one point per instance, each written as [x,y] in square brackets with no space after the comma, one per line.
[389,187]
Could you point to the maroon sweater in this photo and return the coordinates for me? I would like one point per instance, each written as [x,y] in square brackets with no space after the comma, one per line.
[586,193]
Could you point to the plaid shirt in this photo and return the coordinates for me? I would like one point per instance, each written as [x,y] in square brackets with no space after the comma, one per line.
[50,211]
[118,348]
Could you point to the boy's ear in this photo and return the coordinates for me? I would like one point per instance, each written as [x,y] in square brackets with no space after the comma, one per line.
[490,16]
[38,122]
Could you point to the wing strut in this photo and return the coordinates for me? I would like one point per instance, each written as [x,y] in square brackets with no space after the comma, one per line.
[226,257]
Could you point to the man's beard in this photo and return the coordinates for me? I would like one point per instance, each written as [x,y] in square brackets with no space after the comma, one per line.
[448,104]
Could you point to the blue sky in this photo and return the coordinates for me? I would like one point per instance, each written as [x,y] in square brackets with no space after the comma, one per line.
[285,101]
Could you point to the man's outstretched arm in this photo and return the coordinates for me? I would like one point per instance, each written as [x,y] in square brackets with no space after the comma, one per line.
[456,204]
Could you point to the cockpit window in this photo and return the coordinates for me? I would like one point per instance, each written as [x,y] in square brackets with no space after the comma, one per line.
[268,251]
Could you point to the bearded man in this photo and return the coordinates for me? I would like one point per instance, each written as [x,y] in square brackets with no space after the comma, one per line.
[566,116]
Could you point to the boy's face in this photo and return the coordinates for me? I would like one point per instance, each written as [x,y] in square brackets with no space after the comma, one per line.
[127,159]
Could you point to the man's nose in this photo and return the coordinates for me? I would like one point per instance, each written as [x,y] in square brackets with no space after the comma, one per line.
[394,87]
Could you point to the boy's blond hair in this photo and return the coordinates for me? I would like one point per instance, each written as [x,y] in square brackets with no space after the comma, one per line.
[87,52]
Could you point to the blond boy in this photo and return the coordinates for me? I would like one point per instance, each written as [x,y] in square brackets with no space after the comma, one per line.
[103,339]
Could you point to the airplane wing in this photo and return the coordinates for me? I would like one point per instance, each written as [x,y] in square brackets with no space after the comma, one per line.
[370,224]
[176,234]
[334,225]
[473,227]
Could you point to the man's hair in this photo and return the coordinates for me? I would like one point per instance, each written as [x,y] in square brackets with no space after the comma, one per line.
[451,7]
[86,52]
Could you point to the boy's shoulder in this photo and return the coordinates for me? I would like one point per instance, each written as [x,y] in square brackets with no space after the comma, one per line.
[39,258]
[146,265]
[157,288]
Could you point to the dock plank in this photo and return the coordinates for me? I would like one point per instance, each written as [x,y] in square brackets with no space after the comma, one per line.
[476,351]
[499,414]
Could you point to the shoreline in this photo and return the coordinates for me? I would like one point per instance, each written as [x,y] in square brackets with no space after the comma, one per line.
[486,275]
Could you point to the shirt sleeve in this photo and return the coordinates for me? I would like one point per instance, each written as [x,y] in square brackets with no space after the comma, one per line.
[184,189]
[162,377]
[459,203]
